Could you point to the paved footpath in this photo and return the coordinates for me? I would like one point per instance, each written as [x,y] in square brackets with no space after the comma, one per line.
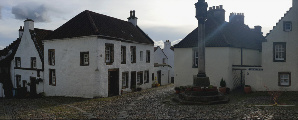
[152,103]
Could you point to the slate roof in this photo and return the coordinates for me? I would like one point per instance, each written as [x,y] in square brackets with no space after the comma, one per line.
[8,53]
[90,23]
[37,36]
[224,35]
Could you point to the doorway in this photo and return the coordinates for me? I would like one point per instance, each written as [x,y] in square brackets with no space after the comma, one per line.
[133,80]
[113,82]
[159,77]
[33,86]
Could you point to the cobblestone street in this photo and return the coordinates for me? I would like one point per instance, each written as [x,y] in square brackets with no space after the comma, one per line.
[152,103]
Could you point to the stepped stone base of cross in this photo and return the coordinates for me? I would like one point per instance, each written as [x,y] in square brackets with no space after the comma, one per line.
[201,81]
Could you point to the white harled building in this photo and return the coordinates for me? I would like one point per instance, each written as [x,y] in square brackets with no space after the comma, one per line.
[94,55]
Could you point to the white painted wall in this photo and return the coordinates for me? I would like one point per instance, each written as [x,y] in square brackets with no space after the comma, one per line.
[271,69]
[159,56]
[25,51]
[219,62]
[91,81]
[165,74]
[170,54]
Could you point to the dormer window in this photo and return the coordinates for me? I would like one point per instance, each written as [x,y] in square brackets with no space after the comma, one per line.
[287,26]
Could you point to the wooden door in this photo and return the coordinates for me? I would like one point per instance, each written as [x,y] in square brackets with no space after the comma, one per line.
[33,86]
[113,82]
[133,80]
[159,77]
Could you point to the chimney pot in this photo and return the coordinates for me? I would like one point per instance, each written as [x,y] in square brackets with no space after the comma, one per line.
[210,8]
[213,7]
[133,19]
[217,7]
[221,6]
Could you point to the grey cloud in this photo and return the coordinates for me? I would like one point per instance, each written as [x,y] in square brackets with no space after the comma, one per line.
[37,12]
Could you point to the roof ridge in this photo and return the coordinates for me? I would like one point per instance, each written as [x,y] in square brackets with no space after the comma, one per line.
[278,21]
[92,22]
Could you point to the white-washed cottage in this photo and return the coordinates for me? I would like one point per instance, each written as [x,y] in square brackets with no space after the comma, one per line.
[279,57]
[169,52]
[161,67]
[229,47]
[27,64]
[94,55]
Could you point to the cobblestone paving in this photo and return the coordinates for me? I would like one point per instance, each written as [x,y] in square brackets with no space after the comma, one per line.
[149,104]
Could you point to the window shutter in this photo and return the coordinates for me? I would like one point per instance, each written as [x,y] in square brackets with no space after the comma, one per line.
[134,54]
[126,80]
[148,56]
[147,76]
[53,57]
[124,55]
[50,77]
[106,49]
[31,62]
[81,59]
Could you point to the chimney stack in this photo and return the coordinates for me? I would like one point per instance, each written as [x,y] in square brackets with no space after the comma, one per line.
[21,31]
[218,13]
[133,19]
[29,24]
[258,29]
[237,18]
[167,44]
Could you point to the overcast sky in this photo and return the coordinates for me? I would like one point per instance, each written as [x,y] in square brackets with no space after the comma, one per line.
[160,19]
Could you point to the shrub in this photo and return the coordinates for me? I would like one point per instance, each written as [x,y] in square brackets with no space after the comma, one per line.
[222,83]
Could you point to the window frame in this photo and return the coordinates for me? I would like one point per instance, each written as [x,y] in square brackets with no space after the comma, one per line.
[140,78]
[109,53]
[83,59]
[125,80]
[33,62]
[141,55]
[146,76]
[52,77]
[195,58]
[133,54]
[287,24]
[51,57]
[280,78]
[283,53]
[147,56]
[164,60]
[18,63]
